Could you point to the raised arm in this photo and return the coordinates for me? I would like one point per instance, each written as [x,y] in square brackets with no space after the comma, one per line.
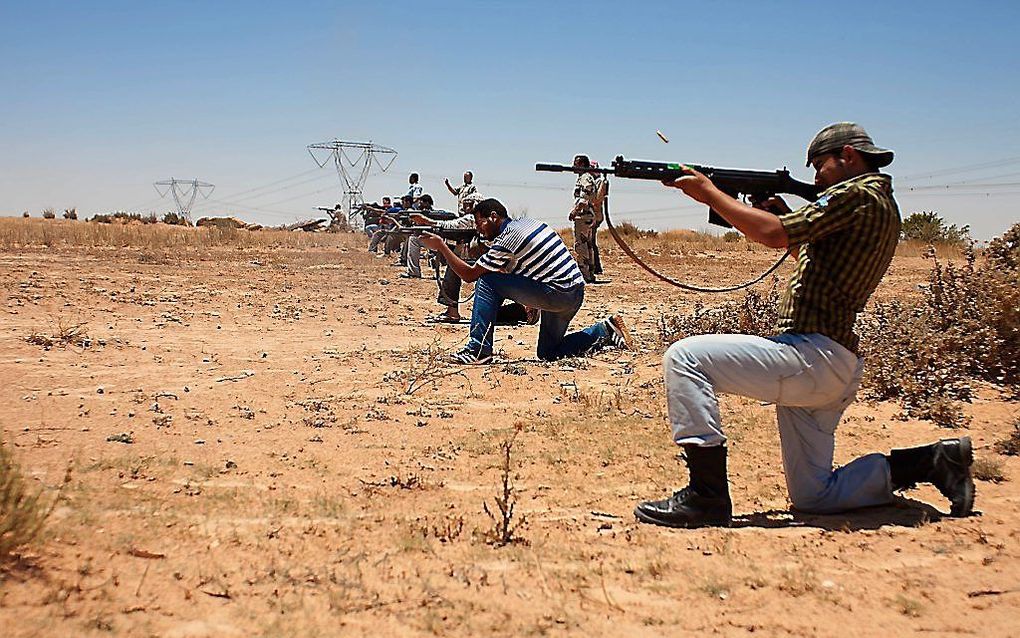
[758,225]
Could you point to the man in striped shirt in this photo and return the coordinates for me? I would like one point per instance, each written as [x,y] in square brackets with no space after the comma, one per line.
[844,243]
[528,263]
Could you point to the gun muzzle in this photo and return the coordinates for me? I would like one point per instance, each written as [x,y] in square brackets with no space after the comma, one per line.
[554,168]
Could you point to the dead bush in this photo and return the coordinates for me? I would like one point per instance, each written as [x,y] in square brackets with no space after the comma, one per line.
[505,523]
[966,329]
[73,334]
[988,469]
[49,213]
[755,314]
[1010,446]
[630,231]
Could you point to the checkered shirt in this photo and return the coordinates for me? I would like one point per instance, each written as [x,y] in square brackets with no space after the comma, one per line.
[844,243]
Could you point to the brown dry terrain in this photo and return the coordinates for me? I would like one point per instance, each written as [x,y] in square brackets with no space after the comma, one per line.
[300,465]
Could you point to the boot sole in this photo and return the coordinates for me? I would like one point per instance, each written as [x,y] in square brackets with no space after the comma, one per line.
[651,520]
[967,458]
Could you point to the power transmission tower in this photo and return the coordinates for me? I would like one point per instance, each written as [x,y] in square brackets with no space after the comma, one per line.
[353,160]
[184,193]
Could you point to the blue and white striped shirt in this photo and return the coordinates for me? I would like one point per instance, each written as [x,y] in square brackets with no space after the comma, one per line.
[531,249]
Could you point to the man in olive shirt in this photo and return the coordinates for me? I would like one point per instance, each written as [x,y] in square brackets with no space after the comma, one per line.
[844,243]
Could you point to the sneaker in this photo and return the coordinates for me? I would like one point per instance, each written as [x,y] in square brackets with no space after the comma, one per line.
[619,336]
[469,357]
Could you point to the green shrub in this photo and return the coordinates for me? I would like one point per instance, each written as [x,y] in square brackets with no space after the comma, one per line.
[120,217]
[173,219]
[928,227]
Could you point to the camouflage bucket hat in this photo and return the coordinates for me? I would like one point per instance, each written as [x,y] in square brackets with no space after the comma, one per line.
[835,136]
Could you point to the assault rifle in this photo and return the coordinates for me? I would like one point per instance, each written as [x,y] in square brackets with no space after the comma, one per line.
[756,186]
[453,235]
[403,218]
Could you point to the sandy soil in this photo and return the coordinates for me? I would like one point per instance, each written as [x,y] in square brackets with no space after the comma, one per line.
[293,470]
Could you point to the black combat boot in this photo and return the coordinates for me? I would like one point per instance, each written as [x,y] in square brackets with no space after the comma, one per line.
[704,502]
[945,464]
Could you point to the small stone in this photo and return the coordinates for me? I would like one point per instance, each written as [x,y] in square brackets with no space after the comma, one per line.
[99,390]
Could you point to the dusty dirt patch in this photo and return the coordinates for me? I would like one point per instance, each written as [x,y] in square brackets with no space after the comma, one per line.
[287,474]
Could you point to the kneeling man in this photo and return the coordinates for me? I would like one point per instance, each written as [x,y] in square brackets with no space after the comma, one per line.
[530,264]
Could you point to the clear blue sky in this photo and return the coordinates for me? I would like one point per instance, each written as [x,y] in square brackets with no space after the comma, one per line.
[101,99]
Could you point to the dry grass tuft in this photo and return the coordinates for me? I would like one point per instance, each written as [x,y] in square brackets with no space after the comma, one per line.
[22,510]
[75,334]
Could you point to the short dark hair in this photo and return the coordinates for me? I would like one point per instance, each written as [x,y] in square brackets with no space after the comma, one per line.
[490,205]
[426,199]
[414,177]
[583,161]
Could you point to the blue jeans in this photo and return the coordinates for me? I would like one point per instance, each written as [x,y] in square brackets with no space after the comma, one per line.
[558,308]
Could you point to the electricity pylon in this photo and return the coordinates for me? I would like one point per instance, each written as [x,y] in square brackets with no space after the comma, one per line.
[184,193]
[353,160]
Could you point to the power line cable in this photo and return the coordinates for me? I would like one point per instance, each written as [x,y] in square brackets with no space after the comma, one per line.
[969,168]
[279,181]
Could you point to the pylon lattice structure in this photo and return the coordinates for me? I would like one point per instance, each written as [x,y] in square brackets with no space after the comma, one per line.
[353,161]
[184,193]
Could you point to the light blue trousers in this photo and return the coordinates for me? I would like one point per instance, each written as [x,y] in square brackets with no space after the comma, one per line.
[810,378]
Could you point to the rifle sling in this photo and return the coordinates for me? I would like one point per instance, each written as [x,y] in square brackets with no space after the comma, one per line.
[673,282]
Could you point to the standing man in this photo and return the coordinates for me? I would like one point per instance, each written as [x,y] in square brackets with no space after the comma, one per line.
[583,216]
[414,189]
[528,263]
[844,243]
[462,191]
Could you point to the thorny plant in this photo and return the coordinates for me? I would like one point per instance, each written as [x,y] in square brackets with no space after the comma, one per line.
[926,355]
[504,525]
[426,367]
[22,511]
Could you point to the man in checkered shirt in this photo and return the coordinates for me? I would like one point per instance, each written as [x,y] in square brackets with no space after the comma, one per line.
[844,243]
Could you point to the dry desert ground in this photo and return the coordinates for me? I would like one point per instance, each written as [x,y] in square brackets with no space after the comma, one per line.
[262,442]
